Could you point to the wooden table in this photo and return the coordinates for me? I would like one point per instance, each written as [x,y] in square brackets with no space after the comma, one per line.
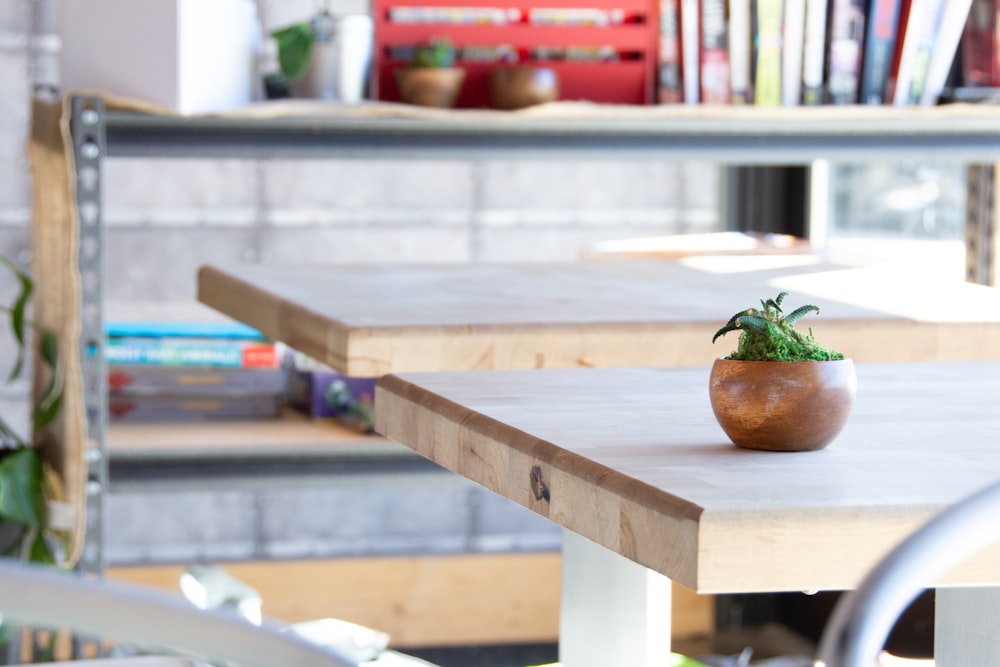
[633,460]
[366,321]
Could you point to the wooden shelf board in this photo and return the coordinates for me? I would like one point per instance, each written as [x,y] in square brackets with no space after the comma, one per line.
[292,433]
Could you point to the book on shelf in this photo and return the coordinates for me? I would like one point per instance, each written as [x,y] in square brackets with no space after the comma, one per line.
[170,329]
[880,44]
[740,41]
[897,50]
[181,351]
[194,380]
[669,86]
[792,45]
[954,16]
[714,56]
[767,18]
[814,52]
[918,42]
[924,53]
[980,48]
[182,408]
[846,46]
[690,50]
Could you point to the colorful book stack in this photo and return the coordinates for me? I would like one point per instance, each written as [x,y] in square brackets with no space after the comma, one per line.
[808,52]
[192,372]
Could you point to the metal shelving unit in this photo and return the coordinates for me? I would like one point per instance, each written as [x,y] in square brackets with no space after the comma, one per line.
[743,137]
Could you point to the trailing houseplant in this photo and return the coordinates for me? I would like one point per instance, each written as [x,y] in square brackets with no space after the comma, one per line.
[27,483]
[780,390]
[326,57]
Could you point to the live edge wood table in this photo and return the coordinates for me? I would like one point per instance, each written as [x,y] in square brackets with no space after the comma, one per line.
[375,320]
[632,463]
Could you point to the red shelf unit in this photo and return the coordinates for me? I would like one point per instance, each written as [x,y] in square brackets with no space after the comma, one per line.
[627,79]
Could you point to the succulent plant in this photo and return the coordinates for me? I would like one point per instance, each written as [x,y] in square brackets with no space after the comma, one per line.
[767,334]
[438,53]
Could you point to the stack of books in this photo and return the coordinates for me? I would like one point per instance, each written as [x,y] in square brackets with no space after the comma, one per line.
[810,52]
[192,371]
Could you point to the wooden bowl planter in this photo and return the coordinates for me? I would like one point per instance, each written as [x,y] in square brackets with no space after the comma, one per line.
[520,86]
[782,406]
[430,86]
[780,390]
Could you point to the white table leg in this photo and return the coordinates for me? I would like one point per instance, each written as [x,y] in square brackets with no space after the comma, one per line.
[966,627]
[614,611]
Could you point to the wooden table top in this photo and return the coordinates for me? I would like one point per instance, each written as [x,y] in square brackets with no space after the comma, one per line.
[366,321]
[634,460]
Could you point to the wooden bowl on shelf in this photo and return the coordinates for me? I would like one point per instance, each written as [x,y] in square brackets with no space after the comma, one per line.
[520,86]
[430,86]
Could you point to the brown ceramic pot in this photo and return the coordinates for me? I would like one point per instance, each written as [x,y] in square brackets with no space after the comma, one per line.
[782,406]
[430,86]
[520,86]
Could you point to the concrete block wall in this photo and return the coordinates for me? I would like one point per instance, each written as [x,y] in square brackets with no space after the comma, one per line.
[371,514]
[197,211]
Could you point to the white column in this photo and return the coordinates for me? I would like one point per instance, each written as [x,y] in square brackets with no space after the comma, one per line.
[614,611]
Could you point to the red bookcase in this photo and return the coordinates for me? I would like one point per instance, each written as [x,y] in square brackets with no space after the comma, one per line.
[602,51]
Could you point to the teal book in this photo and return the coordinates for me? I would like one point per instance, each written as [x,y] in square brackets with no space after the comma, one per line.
[210,352]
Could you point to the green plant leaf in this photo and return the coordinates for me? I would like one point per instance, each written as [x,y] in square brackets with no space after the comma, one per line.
[799,313]
[439,53]
[48,406]
[295,44]
[18,319]
[755,323]
[49,347]
[40,552]
[21,497]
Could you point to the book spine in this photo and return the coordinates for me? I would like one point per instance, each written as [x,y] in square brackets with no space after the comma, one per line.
[195,380]
[191,408]
[847,34]
[192,352]
[767,57]
[714,61]
[793,42]
[690,48]
[669,90]
[979,46]
[814,52]
[954,16]
[915,19]
[925,51]
[739,51]
[897,50]
[879,46]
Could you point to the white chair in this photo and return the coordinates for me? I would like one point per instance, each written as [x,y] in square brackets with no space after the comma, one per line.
[140,661]
[862,619]
[42,597]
